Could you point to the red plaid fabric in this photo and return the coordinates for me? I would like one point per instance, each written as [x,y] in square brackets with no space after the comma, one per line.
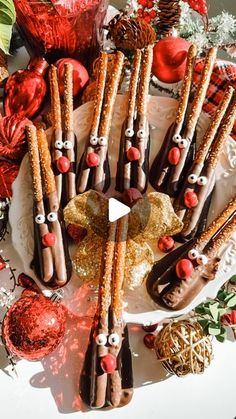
[224,74]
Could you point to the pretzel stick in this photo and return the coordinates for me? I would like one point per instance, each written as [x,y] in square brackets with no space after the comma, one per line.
[56,122]
[106,118]
[51,194]
[117,306]
[100,385]
[222,237]
[85,171]
[133,88]
[142,102]
[44,254]
[69,132]
[186,86]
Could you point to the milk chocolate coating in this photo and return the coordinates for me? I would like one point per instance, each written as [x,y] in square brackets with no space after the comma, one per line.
[161,171]
[92,368]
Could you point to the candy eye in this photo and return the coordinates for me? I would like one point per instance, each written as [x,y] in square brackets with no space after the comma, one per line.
[202,180]
[93,140]
[176,138]
[40,219]
[68,145]
[52,216]
[58,144]
[182,143]
[202,260]
[101,339]
[193,254]
[113,339]
[129,132]
[141,133]
[102,141]
[192,178]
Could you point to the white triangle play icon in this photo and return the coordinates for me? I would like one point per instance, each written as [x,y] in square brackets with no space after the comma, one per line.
[116,209]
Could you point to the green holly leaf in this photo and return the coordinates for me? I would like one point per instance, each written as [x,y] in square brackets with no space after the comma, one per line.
[232,302]
[214,329]
[233,279]
[222,336]
[222,295]
[204,323]
[214,310]
[7,19]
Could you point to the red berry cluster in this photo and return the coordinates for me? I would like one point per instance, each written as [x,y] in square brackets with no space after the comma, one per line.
[146,10]
[199,6]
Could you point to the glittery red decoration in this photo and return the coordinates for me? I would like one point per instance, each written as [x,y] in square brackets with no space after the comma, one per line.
[8,173]
[12,136]
[33,327]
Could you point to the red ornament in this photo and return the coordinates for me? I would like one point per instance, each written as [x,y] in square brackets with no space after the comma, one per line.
[80,75]
[8,173]
[63,164]
[150,328]
[92,159]
[33,327]
[190,199]
[229,318]
[174,156]
[49,240]
[199,6]
[108,363]
[12,136]
[166,244]
[25,90]
[148,20]
[153,14]
[169,59]
[133,154]
[150,4]
[76,232]
[184,268]
[131,196]
[149,340]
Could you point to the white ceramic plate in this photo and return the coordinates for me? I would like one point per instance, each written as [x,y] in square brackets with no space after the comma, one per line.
[161,111]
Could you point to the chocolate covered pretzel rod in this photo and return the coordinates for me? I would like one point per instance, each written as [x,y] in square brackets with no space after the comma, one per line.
[193,201]
[168,170]
[93,170]
[51,259]
[64,141]
[177,285]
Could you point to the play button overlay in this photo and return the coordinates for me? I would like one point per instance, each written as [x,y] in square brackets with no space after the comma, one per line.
[116,210]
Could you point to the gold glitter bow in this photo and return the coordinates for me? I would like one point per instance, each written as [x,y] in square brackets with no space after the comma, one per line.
[90,210]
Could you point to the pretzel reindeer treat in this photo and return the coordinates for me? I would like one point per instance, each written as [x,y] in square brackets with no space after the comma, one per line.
[179,277]
[133,164]
[193,201]
[64,141]
[109,364]
[93,172]
[178,149]
[51,257]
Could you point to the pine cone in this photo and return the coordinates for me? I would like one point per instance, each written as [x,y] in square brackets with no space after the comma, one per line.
[3,66]
[131,33]
[168,16]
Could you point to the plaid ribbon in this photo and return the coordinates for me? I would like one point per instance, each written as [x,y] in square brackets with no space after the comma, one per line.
[223,75]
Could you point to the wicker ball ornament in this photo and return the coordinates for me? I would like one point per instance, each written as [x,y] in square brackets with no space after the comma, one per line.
[183,348]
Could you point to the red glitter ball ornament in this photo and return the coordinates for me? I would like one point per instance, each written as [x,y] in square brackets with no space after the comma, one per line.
[184,268]
[166,244]
[49,239]
[108,363]
[133,154]
[8,173]
[190,199]
[33,327]
[63,164]
[92,159]
[174,156]
[12,136]
[80,75]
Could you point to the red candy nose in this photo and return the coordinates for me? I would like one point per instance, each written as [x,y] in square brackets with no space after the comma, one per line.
[108,363]
[174,156]
[133,154]
[49,239]
[184,268]
[190,199]
[63,164]
[92,159]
